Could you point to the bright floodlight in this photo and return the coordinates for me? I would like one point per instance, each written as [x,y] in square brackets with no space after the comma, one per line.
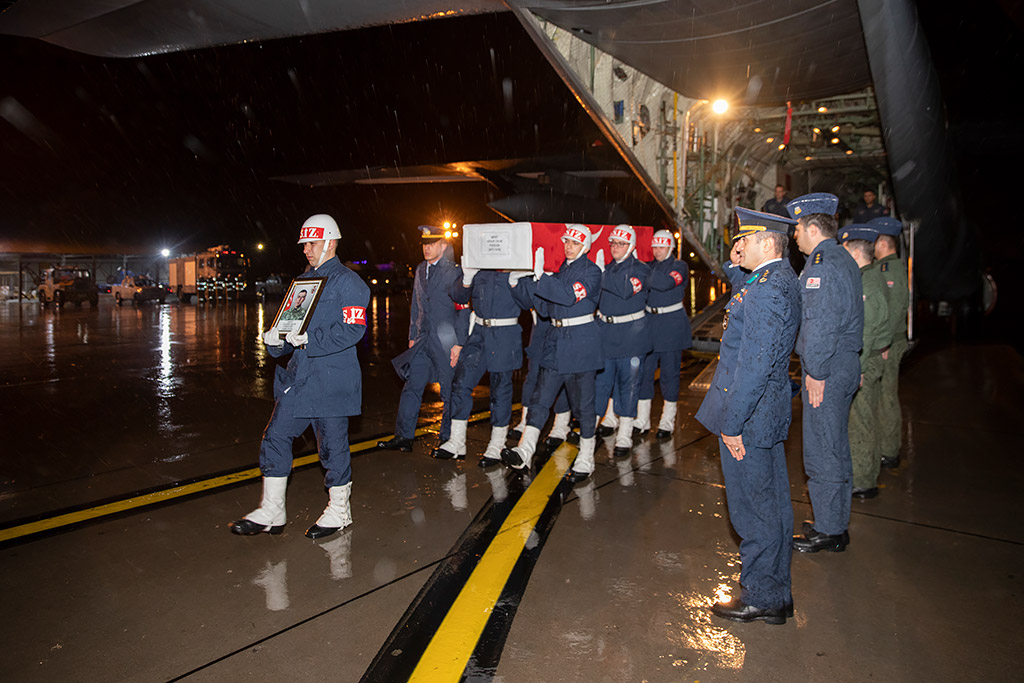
[259,247]
[719,106]
[165,252]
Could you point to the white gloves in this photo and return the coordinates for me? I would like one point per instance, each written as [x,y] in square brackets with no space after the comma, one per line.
[538,262]
[468,273]
[514,276]
[296,339]
[272,337]
[599,259]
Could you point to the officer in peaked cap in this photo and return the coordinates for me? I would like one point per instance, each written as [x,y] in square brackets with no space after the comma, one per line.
[494,346]
[831,331]
[625,332]
[572,347]
[322,386]
[670,333]
[894,274]
[438,327]
[749,408]
[859,242]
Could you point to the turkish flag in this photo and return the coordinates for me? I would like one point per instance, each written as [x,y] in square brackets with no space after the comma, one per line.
[549,236]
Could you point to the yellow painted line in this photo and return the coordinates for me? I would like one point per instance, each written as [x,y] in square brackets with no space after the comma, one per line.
[177,492]
[453,643]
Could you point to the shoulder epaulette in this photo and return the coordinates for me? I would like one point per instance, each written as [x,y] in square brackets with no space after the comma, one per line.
[885,267]
[764,276]
[818,258]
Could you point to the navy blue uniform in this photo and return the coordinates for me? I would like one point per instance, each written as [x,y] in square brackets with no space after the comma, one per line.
[495,349]
[750,397]
[831,333]
[322,384]
[624,344]
[571,354]
[437,324]
[670,329]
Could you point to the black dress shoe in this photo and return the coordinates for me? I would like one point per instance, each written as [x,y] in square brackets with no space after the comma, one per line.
[737,610]
[812,541]
[890,463]
[511,458]
[865,493]
[621,451]
[662,434]
[604,430]
[574,477]
[488,462]
[573,438]
[639,432]
[247,527]
[513,435]
[317,531]
[552,442]
[442,454]
[396,444]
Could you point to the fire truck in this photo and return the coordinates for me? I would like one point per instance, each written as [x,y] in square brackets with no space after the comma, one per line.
[217,273]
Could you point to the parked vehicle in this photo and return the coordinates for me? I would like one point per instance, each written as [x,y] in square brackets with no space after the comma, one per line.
[67,285]
[217,273]
[272,286]
[137,288]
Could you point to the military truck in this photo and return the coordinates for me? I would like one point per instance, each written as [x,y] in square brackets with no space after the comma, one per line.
[217,273]
[61,285]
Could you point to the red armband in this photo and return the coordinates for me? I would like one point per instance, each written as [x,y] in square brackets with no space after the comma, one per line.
[461,307]
[354,315]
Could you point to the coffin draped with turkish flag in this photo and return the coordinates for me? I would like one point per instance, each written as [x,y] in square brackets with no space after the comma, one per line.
[510,246]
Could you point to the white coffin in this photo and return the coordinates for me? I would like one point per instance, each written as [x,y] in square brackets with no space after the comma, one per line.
[494,246]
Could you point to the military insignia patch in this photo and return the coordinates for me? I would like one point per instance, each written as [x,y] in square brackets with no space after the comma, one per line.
[813,283]
[751,278]
[885,267]
[637,285]
[579,290]
[677,277]
[354,315]
[764,278]
[817,258]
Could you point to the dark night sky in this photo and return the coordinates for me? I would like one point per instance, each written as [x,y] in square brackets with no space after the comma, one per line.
[179,149]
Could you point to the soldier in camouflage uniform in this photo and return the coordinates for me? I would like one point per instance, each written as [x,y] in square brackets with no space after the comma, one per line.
[894,274]
[859,242]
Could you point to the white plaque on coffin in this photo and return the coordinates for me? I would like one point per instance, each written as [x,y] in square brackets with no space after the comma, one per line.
[495,246]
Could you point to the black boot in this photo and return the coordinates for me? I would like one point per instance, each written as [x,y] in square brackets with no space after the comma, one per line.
[396,444]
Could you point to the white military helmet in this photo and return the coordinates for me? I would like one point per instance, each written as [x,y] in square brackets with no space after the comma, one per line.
[578,233]
[663,238]
[624,232]
[319,227]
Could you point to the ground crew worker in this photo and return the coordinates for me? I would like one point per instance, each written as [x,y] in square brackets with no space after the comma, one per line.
[894,273]
[859,242]
[625,332]
[572,348]
[322,386]
[670,334]
[494,345]
[437,330]
[831,330]
[749,409]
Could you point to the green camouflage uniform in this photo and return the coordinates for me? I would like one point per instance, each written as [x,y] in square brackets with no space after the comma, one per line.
[864,437]
[890,419]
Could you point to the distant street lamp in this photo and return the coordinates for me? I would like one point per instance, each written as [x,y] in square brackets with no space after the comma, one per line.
[259,247]
[165,252]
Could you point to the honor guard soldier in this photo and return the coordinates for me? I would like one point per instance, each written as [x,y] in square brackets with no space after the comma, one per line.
[831,331]
[625,332]
[572,348]
[670,334]
[749,408]
[495,346]
[894,273]
[859,242]
[437,330]
[322,386]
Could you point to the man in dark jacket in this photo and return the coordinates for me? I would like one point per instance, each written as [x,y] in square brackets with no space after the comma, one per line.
[749,408]
[322,386]
[437,331]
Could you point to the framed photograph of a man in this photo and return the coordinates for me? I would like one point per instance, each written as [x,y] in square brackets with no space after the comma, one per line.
[298,304]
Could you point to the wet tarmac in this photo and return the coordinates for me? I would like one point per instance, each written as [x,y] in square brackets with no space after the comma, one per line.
[616,574]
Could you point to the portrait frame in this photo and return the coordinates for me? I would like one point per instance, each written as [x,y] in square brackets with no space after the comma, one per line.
[295,312]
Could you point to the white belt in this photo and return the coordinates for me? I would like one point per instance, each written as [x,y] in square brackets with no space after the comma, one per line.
[494,322]
[665,309]
[615,319]
[572,322]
